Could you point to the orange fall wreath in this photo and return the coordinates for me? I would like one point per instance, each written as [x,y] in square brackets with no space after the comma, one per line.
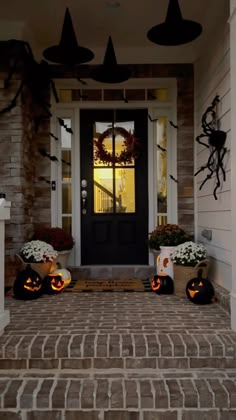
[130,152]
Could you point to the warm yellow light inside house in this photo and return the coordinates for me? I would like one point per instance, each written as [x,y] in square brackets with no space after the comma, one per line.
[114,190]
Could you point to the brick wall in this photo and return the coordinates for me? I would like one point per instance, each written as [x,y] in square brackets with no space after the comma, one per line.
[19,171]
[22,165]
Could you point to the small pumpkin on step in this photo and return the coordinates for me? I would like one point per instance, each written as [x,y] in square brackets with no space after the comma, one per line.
[53,284]
[28,284]
[162,284]
[200,290]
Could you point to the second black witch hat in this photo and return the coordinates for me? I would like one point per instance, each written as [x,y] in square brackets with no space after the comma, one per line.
[175,30]
[68,51]
[110,71]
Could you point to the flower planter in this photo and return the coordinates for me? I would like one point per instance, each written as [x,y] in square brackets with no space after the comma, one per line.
[182,274]
[62,258]
[43,269]
[155,254]
[164,263]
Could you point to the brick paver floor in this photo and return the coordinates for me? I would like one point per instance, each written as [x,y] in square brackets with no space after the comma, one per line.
[117,356]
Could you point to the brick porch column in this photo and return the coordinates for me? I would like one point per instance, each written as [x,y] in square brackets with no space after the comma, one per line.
[4,215]
[232,22]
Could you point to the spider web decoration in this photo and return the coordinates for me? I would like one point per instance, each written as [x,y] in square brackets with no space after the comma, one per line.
[37,78]
[216,145]
[34,76]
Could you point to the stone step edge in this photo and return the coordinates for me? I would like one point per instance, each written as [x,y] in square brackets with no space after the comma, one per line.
[114,414]
[114,393]
[121,363]
[118,373]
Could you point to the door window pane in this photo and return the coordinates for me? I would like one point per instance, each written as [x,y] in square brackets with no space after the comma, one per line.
[103,190]
[114,180]
[125,190]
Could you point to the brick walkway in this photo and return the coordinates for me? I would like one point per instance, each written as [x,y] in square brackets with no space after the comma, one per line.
[117,356]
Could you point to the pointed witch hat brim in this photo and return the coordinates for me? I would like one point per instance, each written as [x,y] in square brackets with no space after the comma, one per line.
[110,71]
[68,51]
[175,30]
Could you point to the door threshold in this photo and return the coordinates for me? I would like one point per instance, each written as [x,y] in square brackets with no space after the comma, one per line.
[112,271]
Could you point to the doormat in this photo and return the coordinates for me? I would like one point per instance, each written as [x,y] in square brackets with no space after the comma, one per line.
[106,285]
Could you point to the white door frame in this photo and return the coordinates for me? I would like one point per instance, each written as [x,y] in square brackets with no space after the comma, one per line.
[72,110]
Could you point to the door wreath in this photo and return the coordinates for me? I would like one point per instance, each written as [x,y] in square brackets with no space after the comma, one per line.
[131,147]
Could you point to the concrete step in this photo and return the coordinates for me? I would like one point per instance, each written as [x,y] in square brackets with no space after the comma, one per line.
[112,272]
[117,356]
[116,350]
[182,395]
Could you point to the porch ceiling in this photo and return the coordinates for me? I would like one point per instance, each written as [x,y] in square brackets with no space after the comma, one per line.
[40,24]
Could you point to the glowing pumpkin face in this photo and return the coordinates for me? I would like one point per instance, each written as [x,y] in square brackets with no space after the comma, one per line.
[53,283]
[28,284]
[200,291]
[162,284]
[65,275]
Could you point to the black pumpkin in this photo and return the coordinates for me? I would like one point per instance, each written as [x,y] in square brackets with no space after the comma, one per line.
[200,291]
[162,284]
[53,284]
[28,284]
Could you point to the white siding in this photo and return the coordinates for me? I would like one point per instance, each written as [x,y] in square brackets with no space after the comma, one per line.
[212,77]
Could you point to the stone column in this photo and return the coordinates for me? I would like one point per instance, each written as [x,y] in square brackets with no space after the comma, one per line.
[4,215]
[232,22]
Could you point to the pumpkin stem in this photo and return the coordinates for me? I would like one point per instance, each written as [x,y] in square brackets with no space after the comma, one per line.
[199,274]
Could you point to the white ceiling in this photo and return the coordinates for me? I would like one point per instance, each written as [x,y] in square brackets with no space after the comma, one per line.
[40,22]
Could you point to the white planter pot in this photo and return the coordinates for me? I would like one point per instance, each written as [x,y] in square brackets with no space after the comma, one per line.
[62,258]
[164,263]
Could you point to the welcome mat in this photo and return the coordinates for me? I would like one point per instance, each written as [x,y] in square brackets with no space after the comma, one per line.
[106,285]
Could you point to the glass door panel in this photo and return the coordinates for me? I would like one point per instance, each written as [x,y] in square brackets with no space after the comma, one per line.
[114,188]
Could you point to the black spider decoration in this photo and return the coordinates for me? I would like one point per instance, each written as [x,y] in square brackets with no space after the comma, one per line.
[216,144]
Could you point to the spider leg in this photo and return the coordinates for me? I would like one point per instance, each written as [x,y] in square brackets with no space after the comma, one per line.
[13,101]
[208,165]
[201,142]
[217,177]
[221,158]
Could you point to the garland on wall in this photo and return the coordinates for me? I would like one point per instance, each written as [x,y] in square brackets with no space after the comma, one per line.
[131,147]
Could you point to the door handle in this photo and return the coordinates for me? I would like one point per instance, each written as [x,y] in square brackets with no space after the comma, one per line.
[84,201]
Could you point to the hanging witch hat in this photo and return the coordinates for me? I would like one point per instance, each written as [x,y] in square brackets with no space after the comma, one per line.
[110,71]
[175,30]
[68,52]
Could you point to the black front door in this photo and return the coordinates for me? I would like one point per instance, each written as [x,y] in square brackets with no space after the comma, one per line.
[114,193]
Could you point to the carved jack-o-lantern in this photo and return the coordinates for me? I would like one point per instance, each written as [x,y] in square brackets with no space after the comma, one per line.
[53,284]
[28,284]
[65,275]
[162,284]
[199,290]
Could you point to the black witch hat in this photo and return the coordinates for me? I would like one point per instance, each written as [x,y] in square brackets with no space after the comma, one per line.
[175,30]
[110,71]
[68,52]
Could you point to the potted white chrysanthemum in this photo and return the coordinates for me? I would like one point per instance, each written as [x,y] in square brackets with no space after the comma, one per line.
[39,255]
[188,258]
